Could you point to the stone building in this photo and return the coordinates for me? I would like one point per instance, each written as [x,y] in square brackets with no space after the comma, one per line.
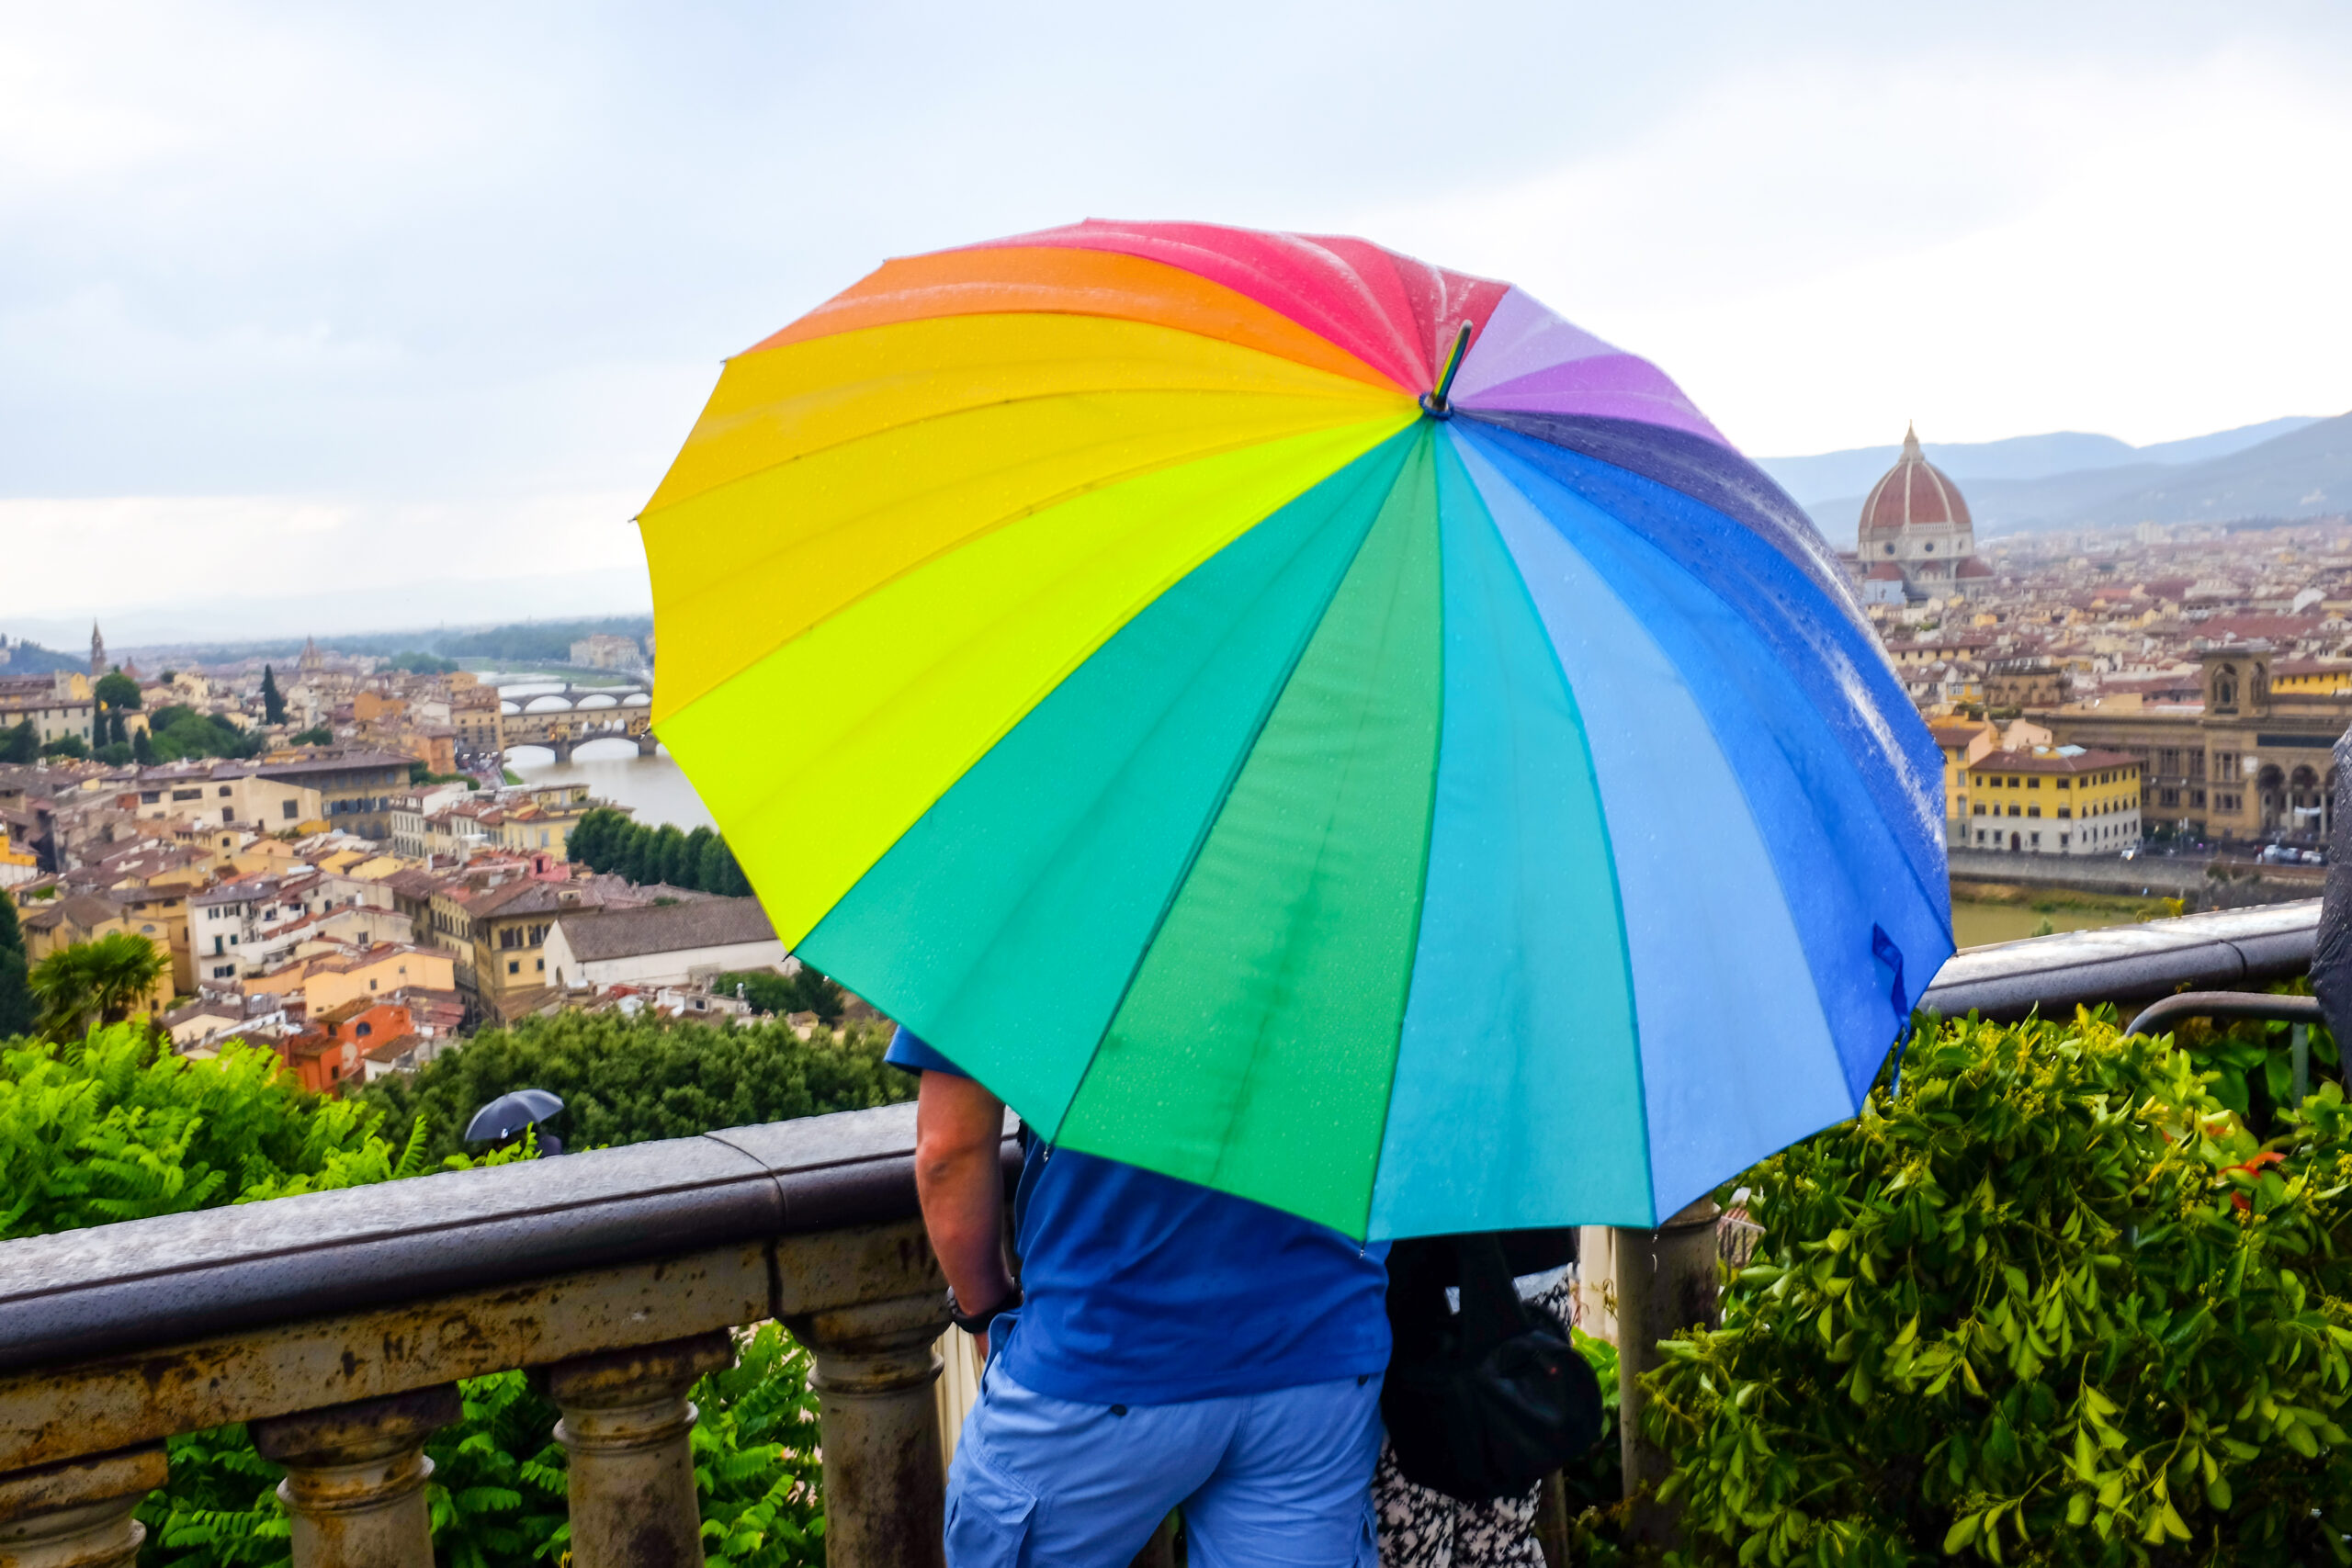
[2061,800]
[2252,763]
[1916,539]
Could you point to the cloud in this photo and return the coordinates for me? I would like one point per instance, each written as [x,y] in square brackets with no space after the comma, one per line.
[221,566]
[1991,252]
[470,272]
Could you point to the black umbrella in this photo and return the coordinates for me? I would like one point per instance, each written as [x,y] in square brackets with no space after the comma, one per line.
[509,1114]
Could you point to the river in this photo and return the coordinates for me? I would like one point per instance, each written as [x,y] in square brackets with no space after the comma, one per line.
[613,770]
[659,794]
[1976,923]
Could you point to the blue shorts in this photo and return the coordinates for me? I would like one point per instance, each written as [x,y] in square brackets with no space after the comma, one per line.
[1283,1477]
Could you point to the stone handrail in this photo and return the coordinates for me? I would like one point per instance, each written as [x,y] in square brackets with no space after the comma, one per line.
[338,1324]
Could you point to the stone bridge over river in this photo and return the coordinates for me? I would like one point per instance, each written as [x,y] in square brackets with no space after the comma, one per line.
[561,720]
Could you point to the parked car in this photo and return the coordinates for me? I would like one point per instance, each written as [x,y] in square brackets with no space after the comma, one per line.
[2131,852]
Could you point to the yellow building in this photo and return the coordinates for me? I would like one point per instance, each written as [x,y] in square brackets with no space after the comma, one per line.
[15,865]
[58,706]
[1963,741]
[231,797]
[61,924]
[327,980]
[2054,801]
[2311,677]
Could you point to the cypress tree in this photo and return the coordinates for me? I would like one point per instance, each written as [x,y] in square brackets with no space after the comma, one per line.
[142,750]
[21,744]
[17,1009]
[670,856]
[640,858]
[273,705]
[697,850]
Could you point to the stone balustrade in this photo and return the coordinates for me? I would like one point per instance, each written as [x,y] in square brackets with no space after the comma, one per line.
[338,1324]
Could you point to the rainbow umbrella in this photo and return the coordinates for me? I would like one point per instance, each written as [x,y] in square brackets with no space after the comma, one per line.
[1300,720]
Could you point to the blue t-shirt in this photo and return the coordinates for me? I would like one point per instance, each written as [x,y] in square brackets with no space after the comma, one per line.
[1144,1289]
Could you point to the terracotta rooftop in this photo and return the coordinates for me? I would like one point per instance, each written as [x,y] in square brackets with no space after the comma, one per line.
[2051,762]
[1913,493]
[665,928]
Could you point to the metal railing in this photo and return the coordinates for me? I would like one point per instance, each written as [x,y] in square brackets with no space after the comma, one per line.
[337,1324]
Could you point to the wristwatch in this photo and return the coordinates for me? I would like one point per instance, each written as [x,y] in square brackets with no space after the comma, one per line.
[978,1323]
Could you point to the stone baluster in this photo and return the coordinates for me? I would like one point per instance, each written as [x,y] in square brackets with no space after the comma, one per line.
[354,1477]
[78,1514]
[884,1489]
[626,1425]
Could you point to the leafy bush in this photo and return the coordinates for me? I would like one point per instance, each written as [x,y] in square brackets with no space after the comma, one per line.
[804,990]
[177,731]
[2050,1303]
[626,1080]
[104,1129]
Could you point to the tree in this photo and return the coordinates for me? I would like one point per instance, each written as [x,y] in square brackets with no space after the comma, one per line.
[67,746]
[21,744]
[96,982]
[117,691]
[114,754]
[116,734]
[142,750]
[273,704]
[319,736]
[640,860]
[670,857]
[624,1080]
[18,1010]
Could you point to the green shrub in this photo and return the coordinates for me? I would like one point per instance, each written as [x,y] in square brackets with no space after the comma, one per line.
[2051,1304]
[626,1080]
[110,1128]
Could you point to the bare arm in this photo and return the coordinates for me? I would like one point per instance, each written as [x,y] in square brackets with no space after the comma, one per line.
[960,1129]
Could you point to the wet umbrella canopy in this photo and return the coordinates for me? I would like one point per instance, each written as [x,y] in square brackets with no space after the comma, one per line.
[509,1114]
[1301,720]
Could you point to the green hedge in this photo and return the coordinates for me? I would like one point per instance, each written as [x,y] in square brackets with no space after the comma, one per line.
[626,1080]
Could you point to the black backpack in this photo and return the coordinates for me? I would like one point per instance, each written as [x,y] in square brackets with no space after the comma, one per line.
[1483,1402]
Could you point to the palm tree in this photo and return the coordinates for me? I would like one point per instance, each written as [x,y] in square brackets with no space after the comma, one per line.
[95,982]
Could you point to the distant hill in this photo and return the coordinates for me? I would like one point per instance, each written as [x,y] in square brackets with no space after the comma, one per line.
[2305,471]
[525,642]
[31,659]
[1833,476]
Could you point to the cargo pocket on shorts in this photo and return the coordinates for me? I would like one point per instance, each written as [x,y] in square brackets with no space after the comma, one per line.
[987,1517]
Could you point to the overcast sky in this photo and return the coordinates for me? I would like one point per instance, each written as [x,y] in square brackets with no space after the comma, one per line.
[303,306]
